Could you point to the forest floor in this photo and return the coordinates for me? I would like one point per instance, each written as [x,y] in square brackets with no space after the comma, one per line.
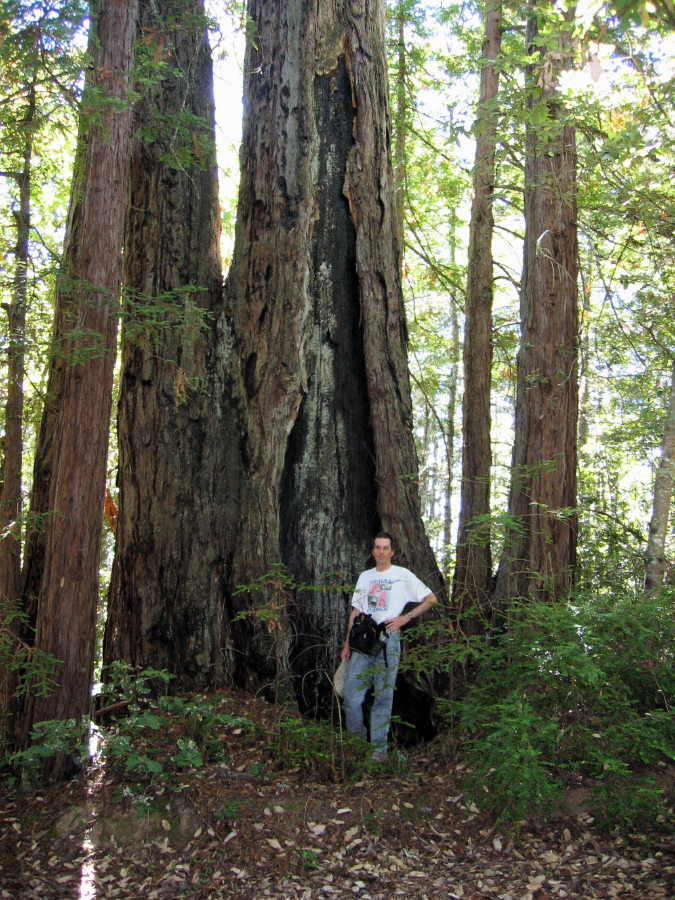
[250,829]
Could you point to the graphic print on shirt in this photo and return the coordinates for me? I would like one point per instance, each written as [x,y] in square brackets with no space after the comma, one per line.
[379,595]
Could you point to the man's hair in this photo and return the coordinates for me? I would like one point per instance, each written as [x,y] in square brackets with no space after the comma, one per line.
[383,535]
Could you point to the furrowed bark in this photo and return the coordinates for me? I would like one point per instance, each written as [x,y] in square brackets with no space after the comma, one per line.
[540,552]
[315,298]
[179,457]
[473,569]
[10,482]
[10,490]
[85,344]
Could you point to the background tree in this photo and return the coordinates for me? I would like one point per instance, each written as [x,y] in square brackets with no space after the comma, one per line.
[473,571]
[540,552]
[81,378]
[655,560]
[38,74]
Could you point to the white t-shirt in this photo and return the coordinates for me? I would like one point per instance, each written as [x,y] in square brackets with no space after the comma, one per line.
[384,594]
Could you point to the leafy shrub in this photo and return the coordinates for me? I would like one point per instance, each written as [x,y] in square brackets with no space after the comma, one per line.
[508,765]
[626,802]
[47,739]
[585,686]
[316,747]
[154,736]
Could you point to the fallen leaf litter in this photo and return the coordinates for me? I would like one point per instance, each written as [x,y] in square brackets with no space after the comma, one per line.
[390,835]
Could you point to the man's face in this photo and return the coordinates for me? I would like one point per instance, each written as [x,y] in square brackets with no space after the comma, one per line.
[382,552]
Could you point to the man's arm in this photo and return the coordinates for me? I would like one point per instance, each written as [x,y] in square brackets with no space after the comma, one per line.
[346,652]
[396,624]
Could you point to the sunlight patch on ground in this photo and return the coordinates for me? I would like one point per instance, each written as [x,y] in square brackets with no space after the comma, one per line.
[87,875]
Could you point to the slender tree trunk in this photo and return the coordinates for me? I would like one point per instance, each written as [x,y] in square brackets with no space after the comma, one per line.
[473,569]
[315,293]
[180,464]
[655,558]
[10,482]
[85,332]
[450,431]
[584,342]
[540,551]
[10,491]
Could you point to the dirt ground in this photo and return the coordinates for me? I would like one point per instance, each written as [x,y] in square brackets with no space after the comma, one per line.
[250,829]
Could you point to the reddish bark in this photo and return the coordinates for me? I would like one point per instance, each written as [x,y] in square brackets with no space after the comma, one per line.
[473,570]
[540,552]
[179,456]
[300,446]
[10,484]
[81,379]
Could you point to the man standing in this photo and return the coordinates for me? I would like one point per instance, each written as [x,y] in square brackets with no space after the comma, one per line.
[382,592]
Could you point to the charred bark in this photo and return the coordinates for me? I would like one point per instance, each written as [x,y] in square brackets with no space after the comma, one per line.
[81,379]
[540,551]
[315,298]
[179,456]
[473,569]
[301,446]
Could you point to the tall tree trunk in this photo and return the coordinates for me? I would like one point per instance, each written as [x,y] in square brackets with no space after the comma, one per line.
[655,558]
[10,487]
[180,464]
[81,378]
[315,295]
[584,367]
[540,550]
[301,445]
[473,568]
[10,482]
[450,428]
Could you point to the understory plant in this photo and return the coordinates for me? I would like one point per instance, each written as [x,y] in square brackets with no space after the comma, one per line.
[585,686]
[149,735]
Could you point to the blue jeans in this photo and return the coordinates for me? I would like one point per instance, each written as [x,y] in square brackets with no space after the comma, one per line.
[364,672]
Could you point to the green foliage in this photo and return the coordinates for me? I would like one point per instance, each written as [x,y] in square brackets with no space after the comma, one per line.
[317,748]
[626,802]
[585,686]
[125,682]
[25,669]
[153,737]
[307,859]
[508,761]
[47,739]
[139,739]
[229,812]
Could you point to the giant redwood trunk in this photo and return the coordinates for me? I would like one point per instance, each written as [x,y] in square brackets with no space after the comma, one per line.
[179,456]
[540,550]
[300,446]
[81,375]
[473,570]
[315,297]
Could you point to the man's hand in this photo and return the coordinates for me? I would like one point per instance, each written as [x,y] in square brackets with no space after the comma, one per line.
[345,653]
[394,625]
